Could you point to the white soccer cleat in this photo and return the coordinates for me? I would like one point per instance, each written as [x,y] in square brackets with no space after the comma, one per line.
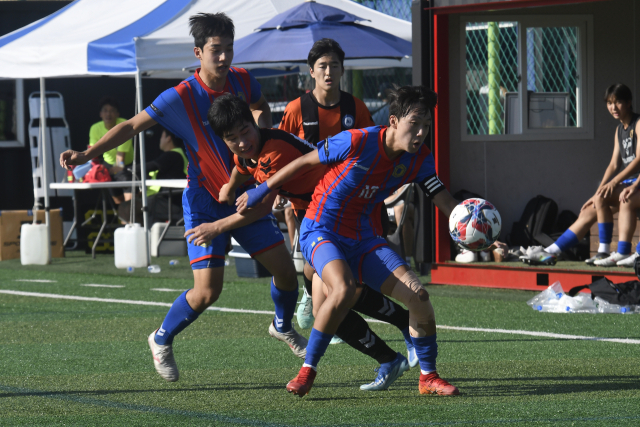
[305,311]
[629,262]
[163,359]
[612,260]
[292,338]
[467,256]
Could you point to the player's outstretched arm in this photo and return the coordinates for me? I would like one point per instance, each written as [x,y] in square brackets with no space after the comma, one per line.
[445,202]
[255,195]
[262,113]
[206,232]
[118,135]
[228,191]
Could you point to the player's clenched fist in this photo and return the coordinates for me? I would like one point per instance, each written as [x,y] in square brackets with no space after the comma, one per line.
[70,157]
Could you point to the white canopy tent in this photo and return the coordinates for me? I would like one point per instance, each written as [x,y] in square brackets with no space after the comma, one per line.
[139,38]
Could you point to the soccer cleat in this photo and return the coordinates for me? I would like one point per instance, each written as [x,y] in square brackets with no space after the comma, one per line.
[467,256]
[412,357]
[303,382]
[629,262]
[596,257]
[388,374]
[433,384]
[305,311]
[535,255]
[336,340]
[611,260]
[163,359]
[292,338]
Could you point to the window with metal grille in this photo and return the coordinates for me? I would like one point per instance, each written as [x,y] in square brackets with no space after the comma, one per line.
[526,78]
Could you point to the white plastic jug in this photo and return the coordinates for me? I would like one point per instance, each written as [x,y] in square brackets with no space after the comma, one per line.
[130,246]
[34,244]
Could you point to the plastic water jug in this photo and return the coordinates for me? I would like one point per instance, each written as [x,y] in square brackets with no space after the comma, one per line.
[130,246]
[34,244]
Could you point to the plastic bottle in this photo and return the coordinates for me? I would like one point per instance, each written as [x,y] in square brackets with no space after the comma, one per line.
[227,263]
[547,298]
[606,307]
[130,269]
[174,262]
[154,269]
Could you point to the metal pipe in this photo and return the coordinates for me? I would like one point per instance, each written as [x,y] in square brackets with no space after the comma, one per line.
[43,143]
[143,166]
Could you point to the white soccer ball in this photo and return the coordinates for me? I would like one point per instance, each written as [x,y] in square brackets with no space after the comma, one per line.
[475,224]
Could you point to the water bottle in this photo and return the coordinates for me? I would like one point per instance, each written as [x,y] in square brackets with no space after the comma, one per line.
[607,307]
[154,269]
[227,263]
[174,262]
[130,269]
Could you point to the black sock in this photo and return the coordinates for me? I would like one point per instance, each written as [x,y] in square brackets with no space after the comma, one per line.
[307,284]
[355,331]
[378,306]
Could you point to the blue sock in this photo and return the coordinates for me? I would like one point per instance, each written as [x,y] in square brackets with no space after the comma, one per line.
[567,240]
[605,229]
[180,316]
[407,337]
[638,248]
[426,350]
[624,248]
[285,302]
[318,343]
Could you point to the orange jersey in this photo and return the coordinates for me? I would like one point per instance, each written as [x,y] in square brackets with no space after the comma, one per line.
[280,148]
[313,122]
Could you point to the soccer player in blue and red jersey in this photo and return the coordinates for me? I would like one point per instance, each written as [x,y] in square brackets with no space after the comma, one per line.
[183,111]
[341,232]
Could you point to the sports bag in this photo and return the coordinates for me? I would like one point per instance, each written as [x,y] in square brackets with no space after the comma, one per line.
[538,219]
[627,293]
[98,173]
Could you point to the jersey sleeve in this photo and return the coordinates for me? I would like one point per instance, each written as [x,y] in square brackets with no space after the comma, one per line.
[363,116]
[427,178]
[290,121]
[335,148]
[256,89]
[164,108]
[241,169]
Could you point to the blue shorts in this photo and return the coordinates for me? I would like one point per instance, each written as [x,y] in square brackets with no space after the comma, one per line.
[200,207]
[371,260]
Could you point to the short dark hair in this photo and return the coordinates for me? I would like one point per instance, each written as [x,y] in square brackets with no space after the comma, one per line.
[405,99]
[207,25]
[324,47]
[227,112]
[108,100]
[176,141]
[619,92]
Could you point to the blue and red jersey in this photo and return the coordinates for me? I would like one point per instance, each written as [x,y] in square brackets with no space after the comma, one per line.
[359,176]
[183,111]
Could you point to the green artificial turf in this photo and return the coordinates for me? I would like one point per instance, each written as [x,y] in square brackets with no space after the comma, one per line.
[83,363]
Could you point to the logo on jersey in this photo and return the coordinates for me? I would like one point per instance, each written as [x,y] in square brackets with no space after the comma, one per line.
[157,110]
[242,96]
[348,121]
[310,123]
[326,148]
[399,170]
[265,166]
[361,167]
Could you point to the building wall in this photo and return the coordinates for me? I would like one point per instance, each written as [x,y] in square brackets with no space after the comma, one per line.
[567,171]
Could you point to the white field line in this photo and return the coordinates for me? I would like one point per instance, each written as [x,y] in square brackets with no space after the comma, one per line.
[36,280]
[167,290]
[95,285]
[240,310]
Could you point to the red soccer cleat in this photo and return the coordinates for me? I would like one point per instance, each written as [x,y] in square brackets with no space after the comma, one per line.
[433,384]
[302,383]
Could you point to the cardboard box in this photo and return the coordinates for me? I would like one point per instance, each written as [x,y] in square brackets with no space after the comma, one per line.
[10,223]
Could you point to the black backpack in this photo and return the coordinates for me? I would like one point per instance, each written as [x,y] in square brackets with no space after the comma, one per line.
[627,293]
[537,220]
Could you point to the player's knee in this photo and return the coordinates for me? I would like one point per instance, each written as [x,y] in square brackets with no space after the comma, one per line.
[345,295]
[287,278]
[205,297]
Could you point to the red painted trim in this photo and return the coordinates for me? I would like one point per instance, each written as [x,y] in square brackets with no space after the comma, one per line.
[206,257]
[514,4]
[525,278]
[281,242]
[441,128]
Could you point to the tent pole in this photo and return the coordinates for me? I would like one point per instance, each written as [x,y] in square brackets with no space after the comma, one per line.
[143,166]
[45,186]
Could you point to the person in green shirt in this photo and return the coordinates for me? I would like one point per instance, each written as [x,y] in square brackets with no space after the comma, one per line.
[116,159]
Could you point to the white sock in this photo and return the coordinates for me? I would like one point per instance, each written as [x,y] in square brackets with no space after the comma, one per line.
[604,248]
[426,372]
[304,365]
[553,249]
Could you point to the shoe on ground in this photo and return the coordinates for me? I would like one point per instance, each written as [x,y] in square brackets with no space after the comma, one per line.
[467,256]
[485,256]
[433,384]
[292,338]
[388,374]
[596,257]
[336,340]
[412,357]
[303,382]
[535,255]
[163,359]
[629,262]
[305,311]
[612,260]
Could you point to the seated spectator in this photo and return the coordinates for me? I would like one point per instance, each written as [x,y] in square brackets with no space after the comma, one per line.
[171,164]
[624,165]
[115,160]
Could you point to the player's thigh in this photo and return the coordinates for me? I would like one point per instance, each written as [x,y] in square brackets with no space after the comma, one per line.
[319,249]
[377,263]
[259,236]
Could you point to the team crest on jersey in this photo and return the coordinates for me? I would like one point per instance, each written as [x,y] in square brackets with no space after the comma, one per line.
[242,96]
[348,121]
[399,170]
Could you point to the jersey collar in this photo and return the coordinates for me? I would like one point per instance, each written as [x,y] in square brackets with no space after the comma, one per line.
[208,89]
